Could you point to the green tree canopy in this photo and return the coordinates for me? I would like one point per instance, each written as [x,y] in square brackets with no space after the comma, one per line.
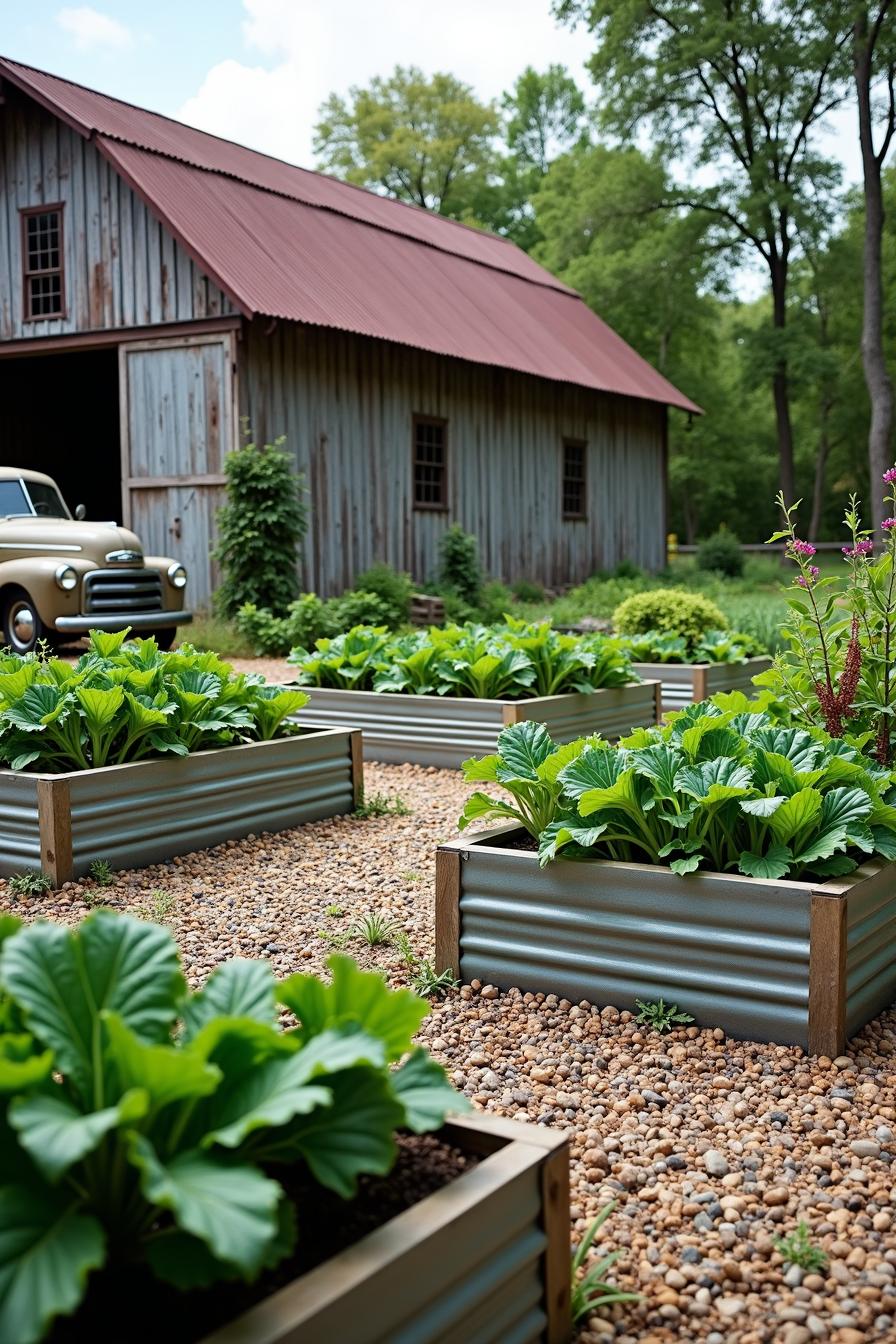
[429,141]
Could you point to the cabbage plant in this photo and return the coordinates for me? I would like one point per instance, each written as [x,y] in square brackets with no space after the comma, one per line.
[722,786]
[123,701]
[142,1124]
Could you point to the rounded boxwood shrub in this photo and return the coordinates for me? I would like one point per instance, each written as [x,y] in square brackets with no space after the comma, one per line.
[669,610]
[721,554]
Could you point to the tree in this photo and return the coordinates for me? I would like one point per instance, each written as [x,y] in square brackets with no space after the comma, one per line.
[544,117]
[427,141]
[874,61]
[738,89]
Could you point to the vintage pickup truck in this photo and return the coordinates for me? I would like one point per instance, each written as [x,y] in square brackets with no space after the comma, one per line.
[62,576]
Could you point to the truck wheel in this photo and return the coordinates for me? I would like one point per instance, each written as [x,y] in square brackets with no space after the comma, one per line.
[165,638]
[23,628]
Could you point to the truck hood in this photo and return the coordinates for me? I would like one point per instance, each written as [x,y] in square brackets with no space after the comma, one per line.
[67,538]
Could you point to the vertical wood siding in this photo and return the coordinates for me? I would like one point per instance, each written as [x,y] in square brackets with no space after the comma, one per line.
[346,405]
[121,267]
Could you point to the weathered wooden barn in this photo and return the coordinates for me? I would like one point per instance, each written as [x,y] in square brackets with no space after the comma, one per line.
[159,287]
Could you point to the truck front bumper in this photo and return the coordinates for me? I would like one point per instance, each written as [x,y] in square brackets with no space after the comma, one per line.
[142,620]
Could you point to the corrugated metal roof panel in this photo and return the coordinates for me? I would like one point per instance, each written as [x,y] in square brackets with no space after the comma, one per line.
[300,246]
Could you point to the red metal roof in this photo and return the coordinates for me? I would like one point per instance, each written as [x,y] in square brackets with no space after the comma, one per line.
[297,245]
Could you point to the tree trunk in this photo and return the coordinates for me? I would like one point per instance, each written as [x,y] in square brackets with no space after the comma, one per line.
[877,378]
[824,447]
[780,385]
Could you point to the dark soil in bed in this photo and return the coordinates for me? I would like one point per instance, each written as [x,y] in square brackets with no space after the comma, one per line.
[126,1303]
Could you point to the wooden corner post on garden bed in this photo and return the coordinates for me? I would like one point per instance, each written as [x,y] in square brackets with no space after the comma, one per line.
[827,971]
[448,890]
[54,815]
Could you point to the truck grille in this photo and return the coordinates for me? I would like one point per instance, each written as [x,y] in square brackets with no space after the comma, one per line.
[109,591]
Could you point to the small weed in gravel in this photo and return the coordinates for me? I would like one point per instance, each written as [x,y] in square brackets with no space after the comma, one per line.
[93,898]
[28,884]
[412,877]
[591,1290]
[337,940]
[661,1016]
[376,930]
[101,872]
[334,911]
[797,1249]
[430,985]
[162,905]
[381,805]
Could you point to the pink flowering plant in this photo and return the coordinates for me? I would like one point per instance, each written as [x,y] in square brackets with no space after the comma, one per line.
[839,668]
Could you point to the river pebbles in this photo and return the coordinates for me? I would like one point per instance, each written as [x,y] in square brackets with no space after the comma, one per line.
[713,1148]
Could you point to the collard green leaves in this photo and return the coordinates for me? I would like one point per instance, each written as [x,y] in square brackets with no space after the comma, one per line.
[123,701]
[721,786]
[136,1116]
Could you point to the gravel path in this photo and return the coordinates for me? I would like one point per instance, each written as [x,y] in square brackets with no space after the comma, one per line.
[713,1148]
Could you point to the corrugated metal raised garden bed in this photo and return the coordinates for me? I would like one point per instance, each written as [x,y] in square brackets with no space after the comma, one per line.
[146,811]
[484,1258]
[688,683]
[445,730]
[797,962]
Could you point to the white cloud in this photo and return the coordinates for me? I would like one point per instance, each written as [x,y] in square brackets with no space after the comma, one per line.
[92,29]
[310,49]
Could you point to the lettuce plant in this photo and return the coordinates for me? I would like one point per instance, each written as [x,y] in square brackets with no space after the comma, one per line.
[512,661]
[715,646]
[123,701]
[142,1124]
[721,786]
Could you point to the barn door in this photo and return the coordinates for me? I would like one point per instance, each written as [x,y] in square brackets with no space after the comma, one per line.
[177,423]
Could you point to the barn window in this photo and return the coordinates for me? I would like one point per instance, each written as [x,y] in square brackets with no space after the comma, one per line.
[575,499]
[430,463]
[42,262]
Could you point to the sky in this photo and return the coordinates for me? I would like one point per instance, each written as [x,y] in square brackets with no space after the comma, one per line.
[256,71]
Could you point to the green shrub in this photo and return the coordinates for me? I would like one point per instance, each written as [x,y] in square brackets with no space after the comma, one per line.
[273,636]
[146,1126]
[669,610]
[524,590]
[260,529]
[459,568]
[495,601]
[354,607]
[721,554]
[392,587]
[124,701]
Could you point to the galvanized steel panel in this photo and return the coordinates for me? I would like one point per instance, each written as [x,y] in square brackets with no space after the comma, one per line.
[678,679]
[19,833]
[732,953]
[870,953]
[446,730]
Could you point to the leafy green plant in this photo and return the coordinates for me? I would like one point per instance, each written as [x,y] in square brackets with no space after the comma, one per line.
[721,554]
[101,872]
[381,805]
[716,646]
[660,1016]
[459,567]
[303,621]
[375,929]
[590,1288]
[528,765]
[162,905]
[334,911]
[260,528]
[347,662]
[524,590]
[145,1125]
[393,588]
[720,786]
[28,884]
[674,611]
[428,983]
[123,701]
[797,1249]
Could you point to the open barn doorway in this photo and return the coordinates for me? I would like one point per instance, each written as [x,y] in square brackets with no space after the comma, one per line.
[60,414]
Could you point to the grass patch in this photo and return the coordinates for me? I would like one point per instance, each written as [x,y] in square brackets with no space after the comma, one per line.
[210,632]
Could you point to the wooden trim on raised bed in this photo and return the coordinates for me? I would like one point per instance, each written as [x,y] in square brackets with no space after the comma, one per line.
[54,815]
[699,683]
[827,974]
[557,1278]
[448,909]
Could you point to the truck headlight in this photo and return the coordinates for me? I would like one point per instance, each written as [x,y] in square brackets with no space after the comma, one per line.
[177,576]
[66,577]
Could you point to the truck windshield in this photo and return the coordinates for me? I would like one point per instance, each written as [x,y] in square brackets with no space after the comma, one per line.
[46,500]
[13,499]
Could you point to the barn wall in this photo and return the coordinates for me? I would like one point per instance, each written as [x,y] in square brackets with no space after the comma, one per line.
[122,269]
[346,404]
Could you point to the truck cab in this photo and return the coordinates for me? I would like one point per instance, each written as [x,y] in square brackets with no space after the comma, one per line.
[61,576]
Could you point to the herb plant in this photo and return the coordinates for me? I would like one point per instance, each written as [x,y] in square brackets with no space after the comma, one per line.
[797,1249]
[123,701]
[28,884]
[839,668]
[716,787]
[145,1125]
[660,1016]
